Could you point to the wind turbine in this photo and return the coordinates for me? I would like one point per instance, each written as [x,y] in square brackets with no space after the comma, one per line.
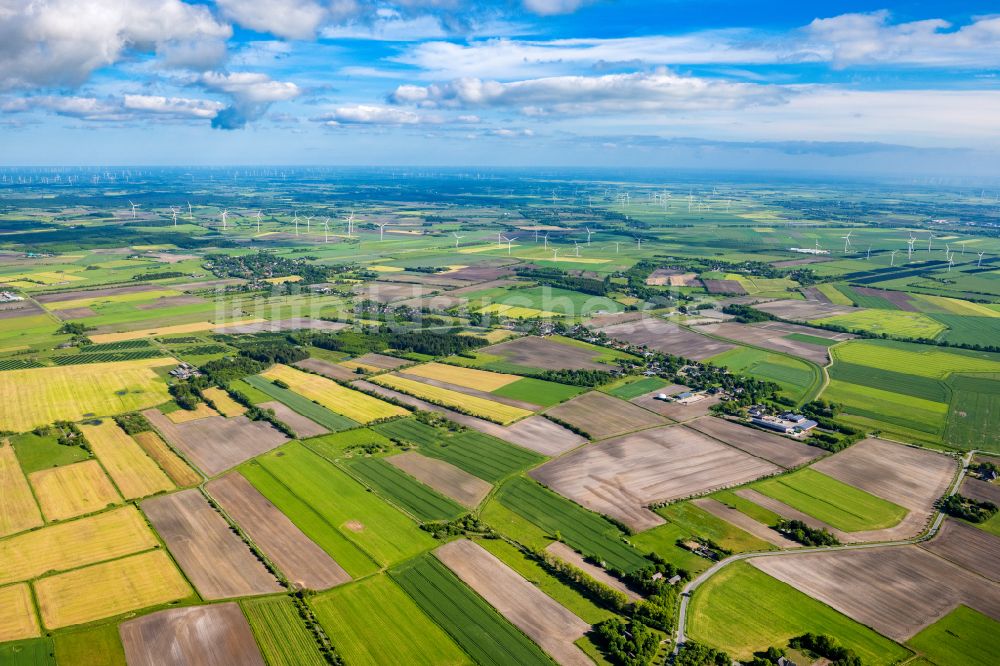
[457,237]
[499,241]
[258,221]
[892,258]
[638,243]
[174,211]
[980,262]
[847,241]
[555,254]
[577,246]
[326,230]
[309,224]
[929,239]
[190,212]
[350,224]
[616,247]
[296,221]
[381,230]
[589,232]
[225,215]
[909,249]
[134,206]
[868,255]
[509,241]
[546,239]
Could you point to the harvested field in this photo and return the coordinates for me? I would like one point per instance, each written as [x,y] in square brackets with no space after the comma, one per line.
[18,510]
[472,392]
[80,294]
[382,361]
[896,590]
[772,337]
[968,547]
[352,404]
[436,302]
[302,561]
[569,556]
[326,368]
[19,309]
[803,310]
[460,376]
[426,279]
[619,477]
[724,287]
[302,426]
[814,294]
[602,416]
[73,490]
[201,411]
[215,559]
[536,614]
[40,396]
[666,337]
[443,477]
[68,314]
[160,331]
[674,410]
[385,292]
[980,490]
[135,473]
[225,404]
[481,407]
[545,353]
[217,444]
[216,635]
[178,470]
[744,522]
[481,274]
[782,451]
[274,325]
[208,284]
[18,619]
[108,589]
[170,302]
[74,544]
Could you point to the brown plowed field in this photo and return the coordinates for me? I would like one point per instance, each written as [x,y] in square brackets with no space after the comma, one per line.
[443,477]
[529,609]
[471,391]
[675,410]
[216,635]
[302,426]
[302,561]
[216,444]
[382,361]
[968,547]
[772,338]
[545,353]
[666,337]
[744,522]
[774,448]
[896,590]
[570,556]
[385,292]
[620,477]
[326,368]
[980,490]
[724,287]
[803,310]
[602,416]
[214,558]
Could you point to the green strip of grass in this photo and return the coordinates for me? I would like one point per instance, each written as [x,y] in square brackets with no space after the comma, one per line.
[538,391]
[415,497]
[811,339]
[307,408]
[31,652]
[92,646]
[637,388]
[281,635]
[963,637]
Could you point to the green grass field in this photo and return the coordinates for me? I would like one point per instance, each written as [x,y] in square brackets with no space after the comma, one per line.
[583,530]
[634,389]
[898,323]
[866,300]
[923,360]
[797,378]
[372,621]
[755,511]
[963,329]
[892,412]
[335,445]
[835,503]
[421,501]
[31,652]
[304,406]
[92,646]
[481,631]
[37,452]
[963,637]
[925,388]
[974,413]
[742,610]
[662,540]
[513,525]
[538,391]
[281,635]
[382,531]
[698,522]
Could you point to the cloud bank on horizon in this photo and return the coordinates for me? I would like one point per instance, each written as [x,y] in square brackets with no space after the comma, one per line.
[552,81]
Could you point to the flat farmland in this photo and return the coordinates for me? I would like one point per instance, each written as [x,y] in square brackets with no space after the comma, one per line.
[803,310]
[416,498]
[539,434]
[666,337]
[479,629]
[896,590]
[18,510]
[201,411]
[742,610]
[316,413]
[135,473]
[501,395]
[974,412]
[299,558]
[547,354]
[922,360]
[544,620]
[963,636]
[970,548]
[73,490]
[327,369]
[459,376]
[303,427]
[619,477]
[225,404]
[281,635]
[108,589]
[160,331]
[773,337]
[192,636]
[602,416]
[780,450]
[675,410]
[488,458]
[374,622]
[175,467]
[18,621]
[77,543]
[382,361]
[352,404]
[40,396]
[980,490]
[744,522]
[217,444]
[380,530]
[481,407]
[97,645]
[214,558]
[797,378]
[443,477]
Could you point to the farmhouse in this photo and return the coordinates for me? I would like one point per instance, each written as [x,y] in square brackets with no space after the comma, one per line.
[789,424]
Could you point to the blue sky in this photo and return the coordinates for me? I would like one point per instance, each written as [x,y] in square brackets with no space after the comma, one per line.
[821,86]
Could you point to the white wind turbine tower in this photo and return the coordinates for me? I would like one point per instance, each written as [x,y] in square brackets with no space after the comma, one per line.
[224,215]
[457,237]
[499,239]
[980,262]
[309,224]
[381,230]
[576,245]
[134,206]
[326,230]
[555,254]
[173,212]
[892,258]
[617,244]
[190,211]
[350,224]
[930,238]
[868,255]
[296,221]
[509,241]
[545,238]
[536,235]
[909,249]
[638,243]
[258,221]
[589,233]
[847,241]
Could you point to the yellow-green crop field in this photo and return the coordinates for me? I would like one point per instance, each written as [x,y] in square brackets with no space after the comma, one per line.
[891,322]
[352,404]
[18,510]
[18,620]
[223,402]
[108,589]
[459,376]
[914,359]
[73,490]
[487,409]
[175,467]
[135,473]
[74,544]
[40,396]
[130,297]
